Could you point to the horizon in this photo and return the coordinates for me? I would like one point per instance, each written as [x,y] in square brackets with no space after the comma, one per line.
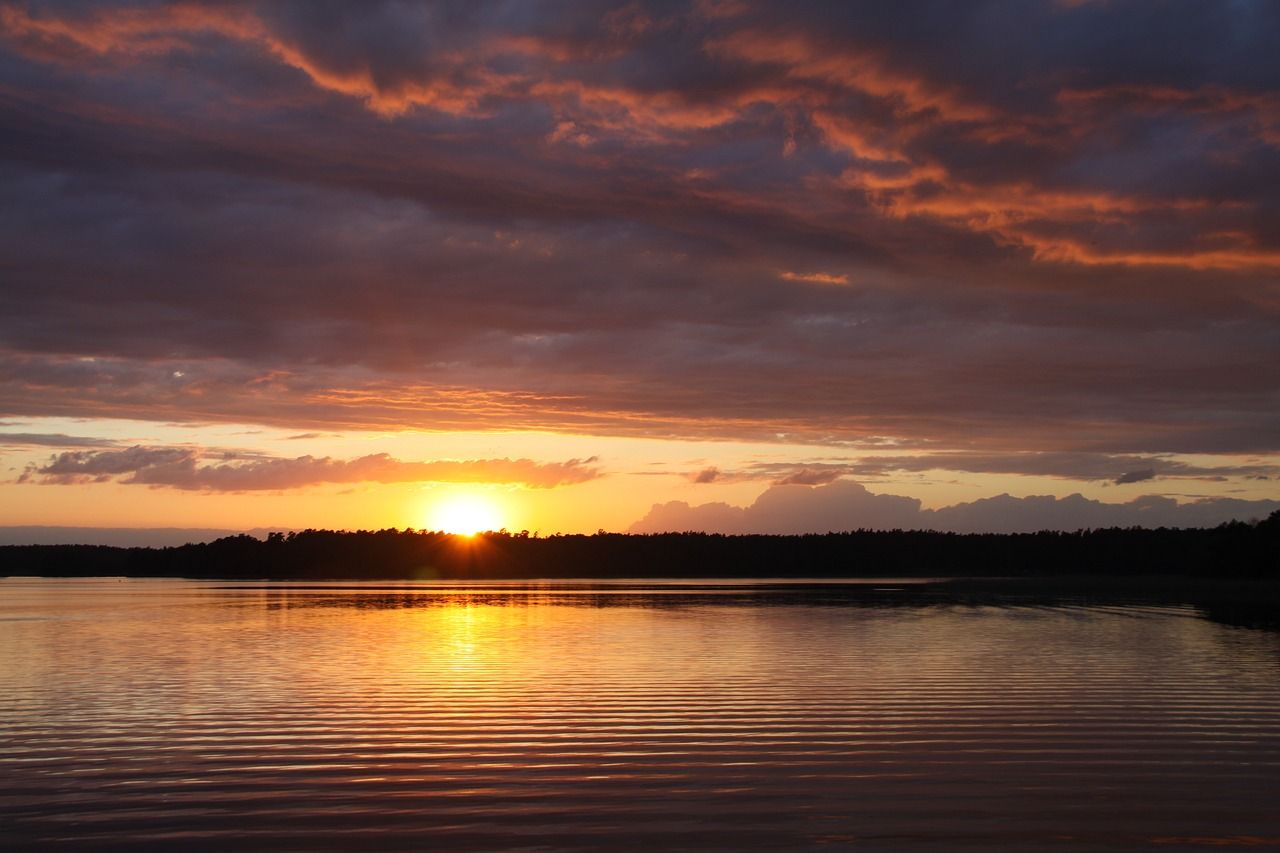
[1004,515]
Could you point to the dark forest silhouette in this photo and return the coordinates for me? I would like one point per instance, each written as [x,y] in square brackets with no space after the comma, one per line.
[1234,550]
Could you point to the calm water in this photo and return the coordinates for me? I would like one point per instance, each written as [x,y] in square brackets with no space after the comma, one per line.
[210,716]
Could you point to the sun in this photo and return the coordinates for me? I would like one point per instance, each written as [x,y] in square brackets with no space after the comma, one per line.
[466,515]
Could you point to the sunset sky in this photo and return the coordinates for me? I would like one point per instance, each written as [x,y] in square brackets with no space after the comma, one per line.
[720,265]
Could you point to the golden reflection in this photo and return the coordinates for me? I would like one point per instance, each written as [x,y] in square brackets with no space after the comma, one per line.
[463,640]
[420,707]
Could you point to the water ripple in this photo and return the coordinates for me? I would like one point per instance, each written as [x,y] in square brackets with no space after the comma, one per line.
[181,715]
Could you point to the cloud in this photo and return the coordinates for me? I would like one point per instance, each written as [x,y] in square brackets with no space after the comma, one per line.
[593,218]
[808,476]
[814,277]
[847,505]
[100,466]
[27,439]
[184,468]
[1068,465]
[787,509]
[1006,514]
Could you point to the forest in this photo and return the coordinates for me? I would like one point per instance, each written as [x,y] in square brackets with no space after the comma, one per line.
[1236,550]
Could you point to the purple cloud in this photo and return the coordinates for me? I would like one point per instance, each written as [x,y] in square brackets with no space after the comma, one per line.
[847,505]
[184,468]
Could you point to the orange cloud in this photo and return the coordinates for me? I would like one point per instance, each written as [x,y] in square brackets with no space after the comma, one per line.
[1071,251]
[856,69]
[136,33]
[619,109]
[859,140]
[1017,214]
[125,31]
[814,277]
[581,105]
[1262,107]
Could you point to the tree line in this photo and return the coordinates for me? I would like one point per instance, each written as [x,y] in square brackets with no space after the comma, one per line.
[1233,550]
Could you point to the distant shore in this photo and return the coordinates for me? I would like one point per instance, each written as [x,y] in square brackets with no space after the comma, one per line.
[1240,602]
[1235,551]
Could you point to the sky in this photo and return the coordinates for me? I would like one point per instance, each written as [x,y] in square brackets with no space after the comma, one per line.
[722,265]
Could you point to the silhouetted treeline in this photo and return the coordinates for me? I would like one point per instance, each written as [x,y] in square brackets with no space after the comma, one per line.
[1235,550]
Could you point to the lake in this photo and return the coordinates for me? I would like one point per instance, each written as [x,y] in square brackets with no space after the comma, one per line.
[203,715]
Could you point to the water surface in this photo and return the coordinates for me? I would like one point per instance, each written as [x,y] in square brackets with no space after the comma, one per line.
[199,715]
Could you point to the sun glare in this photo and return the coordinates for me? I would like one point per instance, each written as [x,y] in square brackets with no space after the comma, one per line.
[466,515]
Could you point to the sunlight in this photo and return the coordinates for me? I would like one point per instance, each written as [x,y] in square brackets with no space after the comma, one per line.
[466,515]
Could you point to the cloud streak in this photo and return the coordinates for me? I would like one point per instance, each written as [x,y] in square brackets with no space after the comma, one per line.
[1119,469]
[185,469]
[27,439]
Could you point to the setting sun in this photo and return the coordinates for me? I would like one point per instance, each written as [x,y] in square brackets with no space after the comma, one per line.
[466,515]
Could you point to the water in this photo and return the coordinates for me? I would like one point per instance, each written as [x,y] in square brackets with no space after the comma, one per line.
[210,716]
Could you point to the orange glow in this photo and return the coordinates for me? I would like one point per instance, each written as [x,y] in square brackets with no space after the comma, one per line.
[466,515]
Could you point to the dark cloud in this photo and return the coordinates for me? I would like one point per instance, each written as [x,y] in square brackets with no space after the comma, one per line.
[847,505]
[809,477]
[100,466]
[185,468]
[965,227]
[27,439]
[1139,476]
